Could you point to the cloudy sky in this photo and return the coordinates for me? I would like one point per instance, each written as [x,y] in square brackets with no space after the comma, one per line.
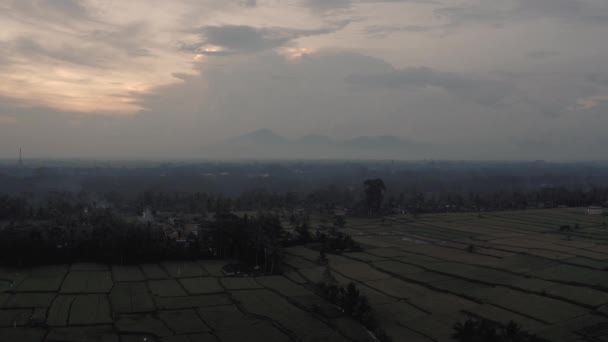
[498,79]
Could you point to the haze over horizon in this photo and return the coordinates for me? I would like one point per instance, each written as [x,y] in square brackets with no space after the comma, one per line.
[496,79]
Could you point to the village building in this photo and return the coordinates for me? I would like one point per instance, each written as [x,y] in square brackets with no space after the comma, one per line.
[595,210]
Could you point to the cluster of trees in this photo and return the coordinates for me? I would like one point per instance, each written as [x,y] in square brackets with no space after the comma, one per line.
[326,239]
[548,197]
[353,304]
[53,206]
[481,330]
[14,208]
[102,235]
[255,240]
[374,196]
[335,241]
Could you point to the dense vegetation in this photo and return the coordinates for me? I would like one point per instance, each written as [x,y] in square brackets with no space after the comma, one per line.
[102,235]
[85,212]
[415,187]
[354,304]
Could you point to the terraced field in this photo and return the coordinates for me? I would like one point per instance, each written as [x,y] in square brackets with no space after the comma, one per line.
[172,301]
[423,275]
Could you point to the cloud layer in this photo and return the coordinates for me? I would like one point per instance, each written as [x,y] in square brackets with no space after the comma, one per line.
[501,79]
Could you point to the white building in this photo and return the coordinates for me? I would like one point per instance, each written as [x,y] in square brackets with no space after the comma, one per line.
[147,216]
[595,210]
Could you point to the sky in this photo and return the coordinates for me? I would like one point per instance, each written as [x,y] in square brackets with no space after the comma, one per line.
[491,79]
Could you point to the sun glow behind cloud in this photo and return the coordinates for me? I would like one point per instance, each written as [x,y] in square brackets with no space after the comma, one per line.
[592,102]
[297,52]
[102,56]
[203,70]
[87,57]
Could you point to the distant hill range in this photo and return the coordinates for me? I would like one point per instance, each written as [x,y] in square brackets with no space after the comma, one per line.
[266,144]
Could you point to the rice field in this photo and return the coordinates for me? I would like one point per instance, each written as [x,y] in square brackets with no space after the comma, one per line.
[171,301]
[421,276]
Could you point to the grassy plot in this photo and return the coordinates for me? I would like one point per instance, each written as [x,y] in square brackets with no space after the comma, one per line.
[360,271]
[240,283]
[43,279]
[196,286]
[87,282]
[89,266]
[90,310]
[253,331]
[141,324]
[264,303]
[541,308]
[224,317]
[283,285]
[154,272]
[166,288]
[103,333]
[60,311]
[186,269]
[15,318]
[574,274]
[22,334]
[127,273]
[131,298]
[173,303]
[184,321]
[28,300]
[178,338]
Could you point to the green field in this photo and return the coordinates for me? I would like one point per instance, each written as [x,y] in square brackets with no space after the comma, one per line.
[421,276]
[171,301]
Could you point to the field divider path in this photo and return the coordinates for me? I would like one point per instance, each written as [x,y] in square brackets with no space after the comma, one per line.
[470,221]
[435,289]
[476,300]
[306,309]
[599,288]
[273,322]
[356,281]
[507,285]
[477,281]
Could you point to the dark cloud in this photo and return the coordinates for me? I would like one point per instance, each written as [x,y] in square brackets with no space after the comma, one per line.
[36,50]
[248,3]
[483,91]
[542,54]
[245,38]
[130,39]
[41,12]
[324,6]
[96,48]
[503,12]
[383,30]
[237,39]
[327,5]
[67,7]
[598,78]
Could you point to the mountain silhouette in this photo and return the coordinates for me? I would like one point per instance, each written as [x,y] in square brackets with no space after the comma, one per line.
[266,144]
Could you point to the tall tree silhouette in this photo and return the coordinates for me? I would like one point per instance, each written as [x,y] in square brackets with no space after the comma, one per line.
[374,194]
